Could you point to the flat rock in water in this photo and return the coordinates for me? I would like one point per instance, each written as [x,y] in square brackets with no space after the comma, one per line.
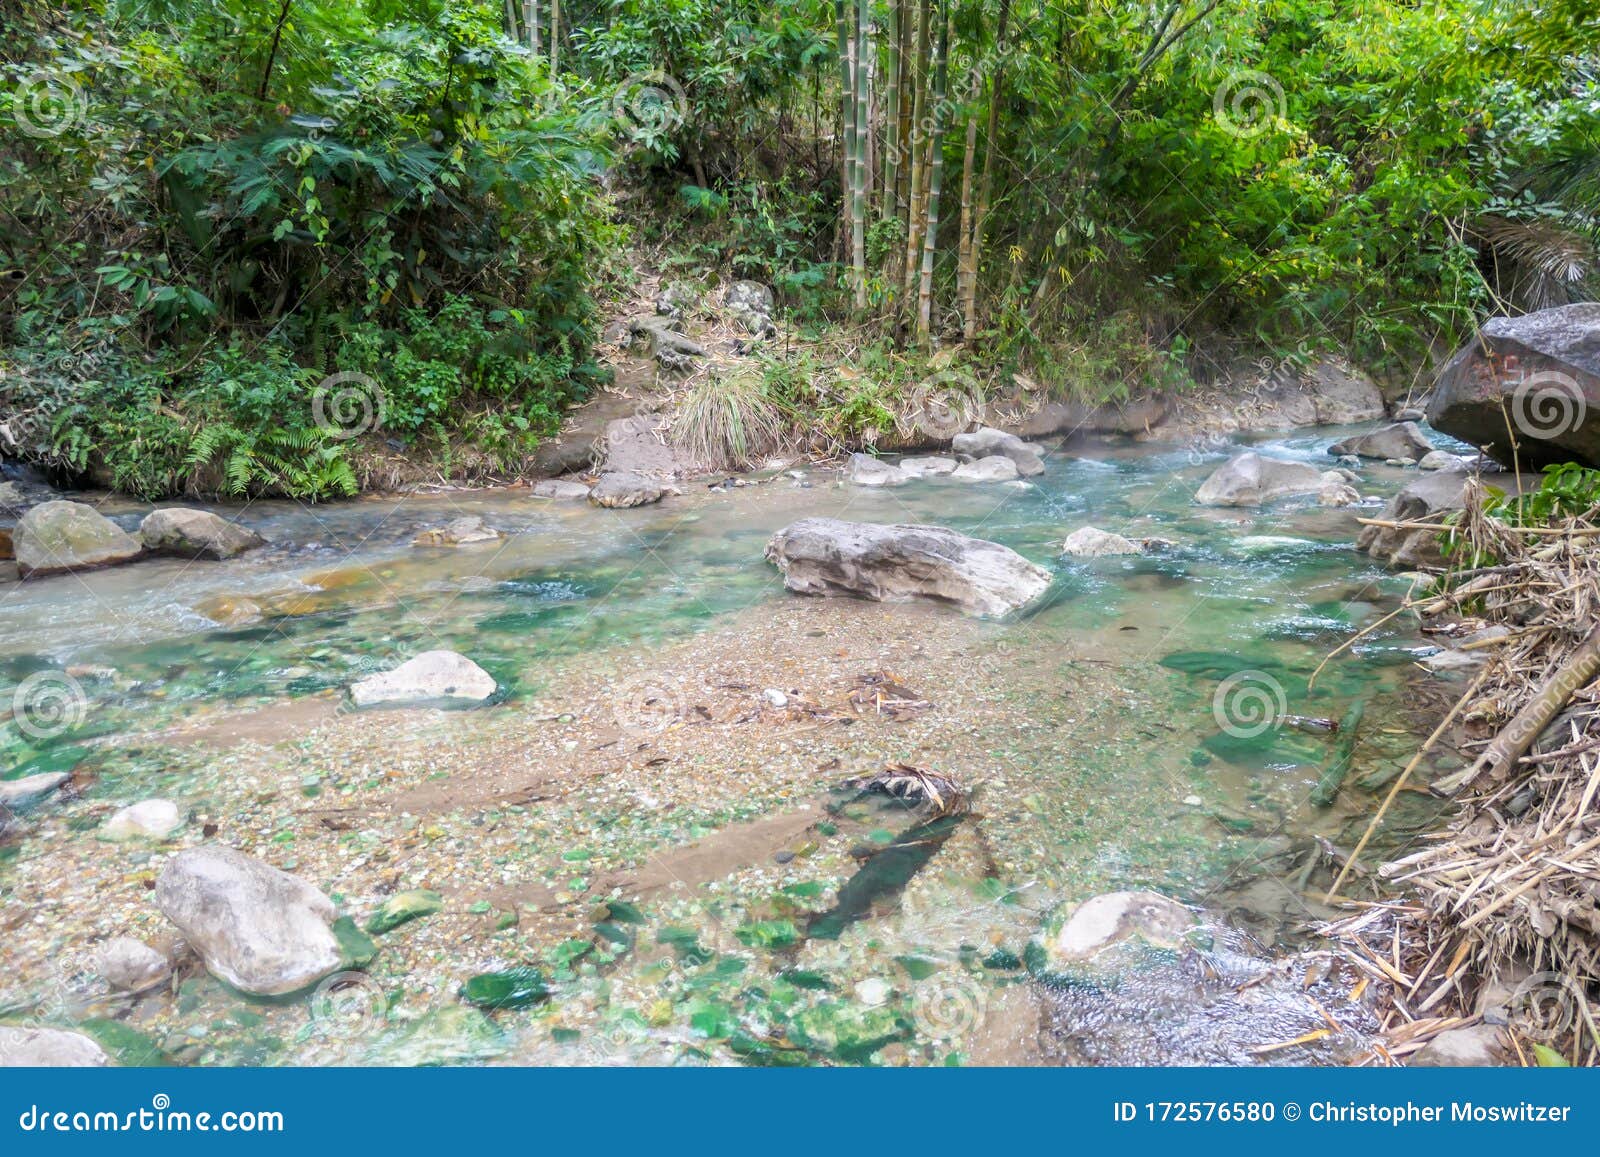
[1398,440]
[987,442]
[561,489]
[17,794]
[1115,917]
[130,965]
[261,930]
[1443,460]
[994,468]
[56,537]
[187,533]
[1251,479]
[924,467]
[865,470]
[1092,542]
[431,677]
[51,1048]
[1542,372]
[150,819]
[621,490]
[827,556]
[463,531]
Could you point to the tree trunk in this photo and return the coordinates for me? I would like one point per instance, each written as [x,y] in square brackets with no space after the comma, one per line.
[891,118]
[858,191]
[530,17]
[555,36]
[930,230]
[966,271]
[918,151]
[969,307]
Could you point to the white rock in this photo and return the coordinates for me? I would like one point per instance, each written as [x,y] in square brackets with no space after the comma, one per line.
[23,1048]
[1091,542]
[987,441]
[261,930]
[431,677]
[775,698]
[995,468]
[872,992]
[1114,917]
[150,819]
[130,965]
[1443,460]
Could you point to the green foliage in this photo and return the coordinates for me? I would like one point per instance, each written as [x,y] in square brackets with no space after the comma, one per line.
[220,212]
[1568,490]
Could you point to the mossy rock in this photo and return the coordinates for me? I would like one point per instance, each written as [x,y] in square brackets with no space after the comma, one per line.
[403,907]
[512,988]
[848,1032]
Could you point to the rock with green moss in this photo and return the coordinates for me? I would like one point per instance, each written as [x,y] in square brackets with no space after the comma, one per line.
[56,537]
[511,988]
[848,1032]
[403,907]
[449,1035]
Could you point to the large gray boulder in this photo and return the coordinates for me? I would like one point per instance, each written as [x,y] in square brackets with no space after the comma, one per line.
[750,303]
[827,556]
[1092,542]
[442,677]
[48,1048]
[1251,479]
[993,468]
[928,467]
[636,445]
[187,533]
[1541,372]
[986,442]
[1134,417]
[56,537]
[672,350]
[1427,499]
[261,930]
[1396,440]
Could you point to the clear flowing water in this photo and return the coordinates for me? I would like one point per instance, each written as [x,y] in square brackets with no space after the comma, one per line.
[1186,764]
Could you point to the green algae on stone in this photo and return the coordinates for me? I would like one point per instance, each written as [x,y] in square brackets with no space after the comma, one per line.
[508,989]
[848,1032]
[356,948]
[402,907]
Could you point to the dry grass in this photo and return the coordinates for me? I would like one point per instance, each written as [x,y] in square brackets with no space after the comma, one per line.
[1513,885]
[727,422]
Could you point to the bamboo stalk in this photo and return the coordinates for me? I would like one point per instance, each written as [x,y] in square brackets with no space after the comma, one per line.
[930,233]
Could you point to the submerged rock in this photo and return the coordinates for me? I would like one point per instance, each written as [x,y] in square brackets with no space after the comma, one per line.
[995,468]
[463,531]
[1542,371]
[56,537]
[1443,460]
[827,556]
[431,677]
[130,965]
[261,930]
[186,533]
[403,907]
[22,1048]
[18,794]
[151,819]
[1251,479]
[562,489]
[1336,490]
[1092,542]
[1397,440]
[987,442]
[865,470]
[619,490]
[1116,917]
